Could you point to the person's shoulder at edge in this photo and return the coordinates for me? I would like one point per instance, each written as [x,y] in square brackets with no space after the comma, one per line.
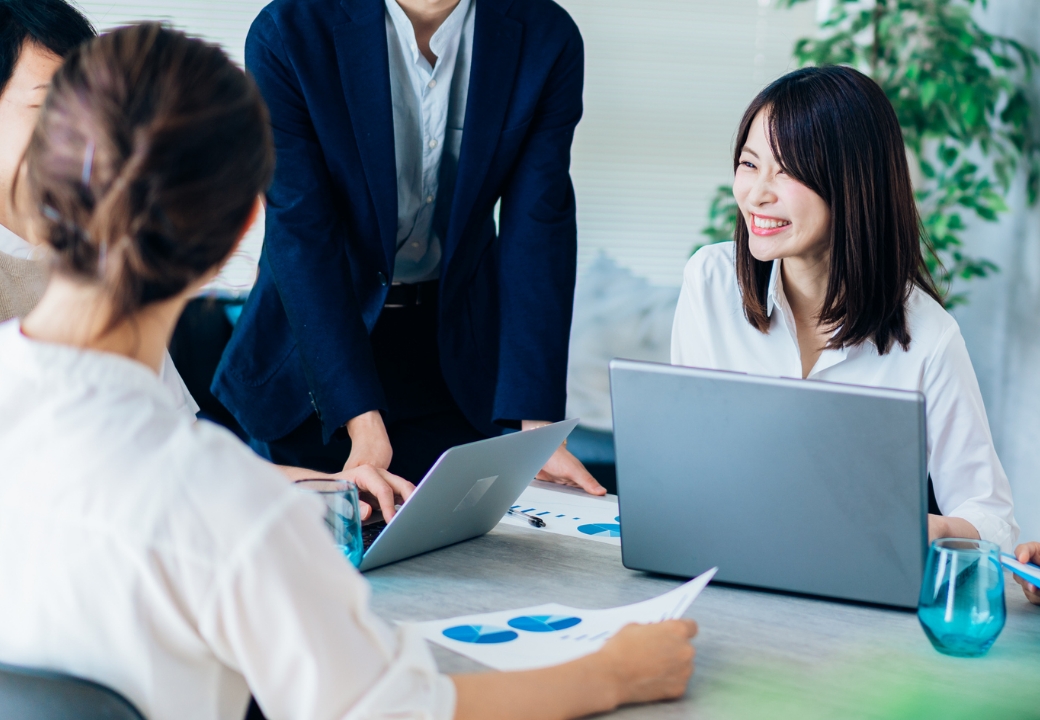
[544,11]
[295,21]
[712,268]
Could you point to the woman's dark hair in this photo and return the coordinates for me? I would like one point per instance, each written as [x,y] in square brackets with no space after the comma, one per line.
[146,163]
[52,24]
[832,129]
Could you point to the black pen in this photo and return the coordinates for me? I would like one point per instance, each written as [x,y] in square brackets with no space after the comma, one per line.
[534,520]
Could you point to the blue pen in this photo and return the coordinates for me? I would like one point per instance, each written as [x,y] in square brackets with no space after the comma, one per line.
[1026,571]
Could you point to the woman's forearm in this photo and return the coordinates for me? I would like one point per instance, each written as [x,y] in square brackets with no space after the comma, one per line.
[572,690]
[940,526]
[641,663]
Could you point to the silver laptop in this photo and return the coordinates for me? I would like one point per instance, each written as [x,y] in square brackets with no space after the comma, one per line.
[464,494]
[792,485]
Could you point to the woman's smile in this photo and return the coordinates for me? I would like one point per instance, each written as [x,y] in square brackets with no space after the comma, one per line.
[764,225]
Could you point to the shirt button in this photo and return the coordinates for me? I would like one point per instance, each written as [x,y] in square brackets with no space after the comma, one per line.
[432,84]
[381,278]
[429,199]
[415,244]
[433,144]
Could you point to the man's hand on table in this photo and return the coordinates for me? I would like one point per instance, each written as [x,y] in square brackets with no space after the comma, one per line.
[563,468]
[1029,553]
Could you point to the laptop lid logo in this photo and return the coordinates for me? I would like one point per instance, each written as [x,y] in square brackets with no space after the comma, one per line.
[475,493]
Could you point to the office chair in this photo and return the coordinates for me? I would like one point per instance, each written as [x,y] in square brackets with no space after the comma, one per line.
[27,694]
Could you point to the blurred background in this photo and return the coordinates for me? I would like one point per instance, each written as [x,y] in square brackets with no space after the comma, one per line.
[666,83]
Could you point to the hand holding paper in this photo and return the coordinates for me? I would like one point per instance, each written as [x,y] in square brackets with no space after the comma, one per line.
[1027,574]
[551,634]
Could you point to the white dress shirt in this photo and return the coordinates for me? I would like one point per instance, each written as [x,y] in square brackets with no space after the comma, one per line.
[18,247]
[710,331]
[14,245]
[160,557]
[429,106]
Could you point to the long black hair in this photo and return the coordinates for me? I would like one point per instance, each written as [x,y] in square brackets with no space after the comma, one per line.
[834,130]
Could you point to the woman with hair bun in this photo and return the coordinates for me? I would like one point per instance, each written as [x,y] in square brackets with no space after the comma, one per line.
[825,280]
[159,556]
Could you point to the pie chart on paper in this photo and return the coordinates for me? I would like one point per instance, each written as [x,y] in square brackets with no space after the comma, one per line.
[601,529]
[480,634]
[543,623]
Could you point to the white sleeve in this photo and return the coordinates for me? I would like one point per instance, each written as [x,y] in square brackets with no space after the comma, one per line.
[292,616]
[968,478]
[174,383]
[689,334]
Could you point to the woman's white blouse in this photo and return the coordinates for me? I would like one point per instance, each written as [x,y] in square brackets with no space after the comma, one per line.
[710,331]
[160,557]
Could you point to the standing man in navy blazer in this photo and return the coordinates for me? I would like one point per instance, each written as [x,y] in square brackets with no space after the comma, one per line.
[394,315]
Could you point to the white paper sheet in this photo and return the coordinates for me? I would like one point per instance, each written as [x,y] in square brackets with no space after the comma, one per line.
[569,512]
[546,635]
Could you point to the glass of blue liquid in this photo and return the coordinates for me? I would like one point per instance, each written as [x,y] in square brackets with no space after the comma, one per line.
[962,596]
[342,516]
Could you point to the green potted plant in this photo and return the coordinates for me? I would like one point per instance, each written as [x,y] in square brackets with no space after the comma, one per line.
[961,98]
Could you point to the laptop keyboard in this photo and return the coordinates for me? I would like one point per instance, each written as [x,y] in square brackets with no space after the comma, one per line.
[370,532]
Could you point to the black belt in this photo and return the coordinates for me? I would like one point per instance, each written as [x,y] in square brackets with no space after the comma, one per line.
[401,295]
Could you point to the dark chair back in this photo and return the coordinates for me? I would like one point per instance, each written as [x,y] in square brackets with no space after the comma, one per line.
[27,694]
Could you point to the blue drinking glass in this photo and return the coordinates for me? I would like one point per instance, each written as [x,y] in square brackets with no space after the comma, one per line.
[342,515]
[962,596]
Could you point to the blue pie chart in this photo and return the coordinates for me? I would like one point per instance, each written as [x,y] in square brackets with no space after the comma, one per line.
[601,529]
[543,623]
[480,634]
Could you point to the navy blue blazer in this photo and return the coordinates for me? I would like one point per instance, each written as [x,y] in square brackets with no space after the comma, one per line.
[302,343]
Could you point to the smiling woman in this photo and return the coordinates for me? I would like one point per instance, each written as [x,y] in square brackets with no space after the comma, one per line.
[821,179]
[827,271]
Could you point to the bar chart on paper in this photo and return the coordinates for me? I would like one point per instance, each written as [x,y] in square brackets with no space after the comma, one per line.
[570,513]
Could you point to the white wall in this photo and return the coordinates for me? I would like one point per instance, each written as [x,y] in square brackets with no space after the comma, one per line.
[666,82]
[222,21]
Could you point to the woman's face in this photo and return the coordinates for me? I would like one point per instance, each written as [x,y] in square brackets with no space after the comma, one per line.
[785,219]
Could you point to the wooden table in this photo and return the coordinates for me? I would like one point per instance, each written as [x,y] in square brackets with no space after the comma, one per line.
[759,655]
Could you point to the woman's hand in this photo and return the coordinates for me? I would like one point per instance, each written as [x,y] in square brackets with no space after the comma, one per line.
[1029,553]
[940,526]
[642,663]
[650,662]
[563,468]
[369,443]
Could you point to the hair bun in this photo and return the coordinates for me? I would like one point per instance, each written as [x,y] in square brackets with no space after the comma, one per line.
[146,162]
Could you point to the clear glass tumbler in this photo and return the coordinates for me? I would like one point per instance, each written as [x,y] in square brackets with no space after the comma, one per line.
[962,596]
[342,515]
